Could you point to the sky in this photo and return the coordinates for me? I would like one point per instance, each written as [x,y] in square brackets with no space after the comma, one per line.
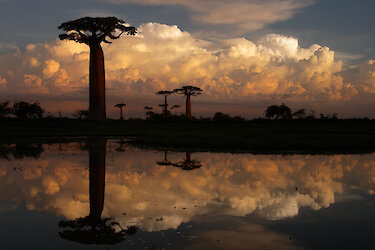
[244,54]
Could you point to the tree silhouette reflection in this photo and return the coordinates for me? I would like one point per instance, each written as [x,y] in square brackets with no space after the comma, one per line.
[93,229]
[21,150]
[188,164]
[165,161]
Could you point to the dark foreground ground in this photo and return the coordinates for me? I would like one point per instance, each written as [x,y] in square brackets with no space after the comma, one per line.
[258,136]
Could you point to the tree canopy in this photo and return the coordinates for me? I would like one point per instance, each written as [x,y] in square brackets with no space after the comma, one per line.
[120,105]
[28,110]
[188,91]
[164,92]
[91,30]
[278,112]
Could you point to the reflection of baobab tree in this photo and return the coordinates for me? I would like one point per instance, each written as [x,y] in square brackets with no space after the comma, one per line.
[188,164]
[93,229]
[165,161]
[121,148]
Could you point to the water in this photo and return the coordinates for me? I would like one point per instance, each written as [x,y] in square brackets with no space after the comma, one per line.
[53,195]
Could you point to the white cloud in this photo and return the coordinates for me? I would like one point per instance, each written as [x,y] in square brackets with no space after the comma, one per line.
[246,15]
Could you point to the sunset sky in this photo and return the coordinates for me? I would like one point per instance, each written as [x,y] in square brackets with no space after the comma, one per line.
[244,54]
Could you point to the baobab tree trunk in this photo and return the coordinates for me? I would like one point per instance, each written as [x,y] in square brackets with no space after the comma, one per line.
[188,107]
[165,107]
[97,83]
[97,152]
[188,155]
[121,117]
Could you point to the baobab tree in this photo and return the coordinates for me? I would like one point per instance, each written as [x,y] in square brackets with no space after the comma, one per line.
[120,106]
[175,107]
[148,112]
[188,91]
[93,31]
[165,93]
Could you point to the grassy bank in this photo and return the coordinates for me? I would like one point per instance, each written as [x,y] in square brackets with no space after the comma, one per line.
[317,136]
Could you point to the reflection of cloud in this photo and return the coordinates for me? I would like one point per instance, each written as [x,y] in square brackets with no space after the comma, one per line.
[274,187]
[240,235]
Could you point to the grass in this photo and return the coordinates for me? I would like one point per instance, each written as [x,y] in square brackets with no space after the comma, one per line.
[316,136]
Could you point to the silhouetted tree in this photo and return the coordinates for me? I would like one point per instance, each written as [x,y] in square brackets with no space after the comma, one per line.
[175,107]
[148,112]
[300,114]
[278,112]
[93,31]
[221,117]
[165,93]
[162,109]
[188,91]
[5,109]
[188,164]
[25,110]
[81,114]
[120,106]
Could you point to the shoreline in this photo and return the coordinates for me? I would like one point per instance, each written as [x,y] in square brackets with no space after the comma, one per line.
[257,136]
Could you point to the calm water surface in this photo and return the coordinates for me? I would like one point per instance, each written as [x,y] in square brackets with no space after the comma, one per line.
[104,194]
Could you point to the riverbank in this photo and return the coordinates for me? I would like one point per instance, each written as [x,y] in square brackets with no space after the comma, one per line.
[263,136]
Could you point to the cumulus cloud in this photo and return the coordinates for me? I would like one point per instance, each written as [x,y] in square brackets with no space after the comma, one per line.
[246,15]
[163,57]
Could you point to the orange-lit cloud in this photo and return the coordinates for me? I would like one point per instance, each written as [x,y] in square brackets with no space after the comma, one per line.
[164,57]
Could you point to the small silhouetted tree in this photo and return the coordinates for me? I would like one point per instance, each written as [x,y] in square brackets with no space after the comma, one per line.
[300,114]
[93,31]
[120,106]
[5,109]
[25,110]
[175,107]
[81,114]
[162,106]
[282,112]
[188,91]
[165,93]
[148,112]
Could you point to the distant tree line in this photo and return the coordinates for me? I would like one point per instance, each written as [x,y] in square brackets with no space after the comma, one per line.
[21,110]
[33,110]
[283,112]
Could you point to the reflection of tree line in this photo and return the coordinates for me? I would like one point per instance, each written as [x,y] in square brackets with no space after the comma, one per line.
[186,164]
[93,229]
[20,150]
